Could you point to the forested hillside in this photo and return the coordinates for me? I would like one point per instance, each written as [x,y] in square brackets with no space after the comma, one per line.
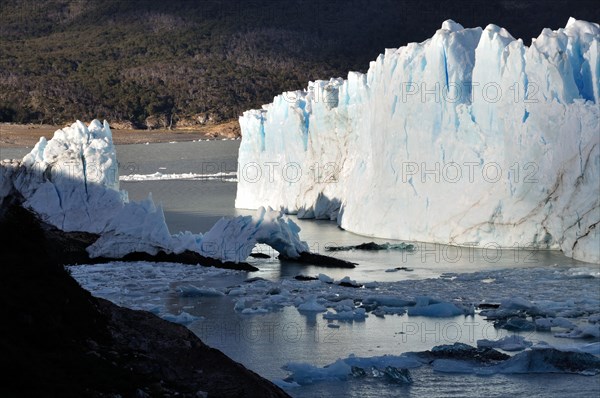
[159,63]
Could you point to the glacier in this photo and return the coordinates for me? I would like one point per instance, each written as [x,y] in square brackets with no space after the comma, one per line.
[468,138]
[72,183]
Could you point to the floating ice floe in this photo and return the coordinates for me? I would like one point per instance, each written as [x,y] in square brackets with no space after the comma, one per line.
[541,360]
[549,323]
[470,138]
[586,331]
[194,291]
[183,318]
[437,310]
[508,343]
[355,314]
[343,369]
[311,305]
[457,358]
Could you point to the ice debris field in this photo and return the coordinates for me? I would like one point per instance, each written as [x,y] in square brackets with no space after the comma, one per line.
[562,301]
[554,307]
[468,137]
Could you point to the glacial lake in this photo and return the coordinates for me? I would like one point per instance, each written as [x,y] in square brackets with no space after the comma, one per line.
[266,342]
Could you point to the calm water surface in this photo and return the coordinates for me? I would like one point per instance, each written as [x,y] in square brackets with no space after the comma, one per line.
[265,343]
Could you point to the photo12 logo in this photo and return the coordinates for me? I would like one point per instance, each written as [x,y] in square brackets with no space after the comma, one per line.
[490,252]
[468,92]
[290,172]
[472,172]
[266,332]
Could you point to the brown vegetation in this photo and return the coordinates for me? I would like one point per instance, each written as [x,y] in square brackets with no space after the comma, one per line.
[19,135]
[156,64]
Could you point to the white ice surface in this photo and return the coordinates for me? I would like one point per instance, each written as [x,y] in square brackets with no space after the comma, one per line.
[469,138]
[71,181]
[507,343]
[232,239]
[158,176]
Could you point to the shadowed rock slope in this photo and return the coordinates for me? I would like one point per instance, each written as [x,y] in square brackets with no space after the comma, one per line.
[58,340]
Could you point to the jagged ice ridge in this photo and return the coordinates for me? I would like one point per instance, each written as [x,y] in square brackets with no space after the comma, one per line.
[72,183]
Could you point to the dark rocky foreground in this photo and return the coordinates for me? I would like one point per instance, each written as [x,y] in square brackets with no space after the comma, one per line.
[58,340]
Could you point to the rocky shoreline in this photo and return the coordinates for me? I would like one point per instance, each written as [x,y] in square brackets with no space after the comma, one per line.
[59,340]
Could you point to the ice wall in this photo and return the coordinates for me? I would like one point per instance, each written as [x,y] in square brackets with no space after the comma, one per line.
[470,137]
[72,183]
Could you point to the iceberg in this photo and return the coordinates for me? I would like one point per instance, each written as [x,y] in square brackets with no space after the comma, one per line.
[468,138]
[311,305]
[393,367]
[183,318]
[509,343]
[72,183]
[438,310]
[541,360]
[452,359]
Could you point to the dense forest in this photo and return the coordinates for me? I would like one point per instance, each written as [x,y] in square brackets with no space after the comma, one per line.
[153,63]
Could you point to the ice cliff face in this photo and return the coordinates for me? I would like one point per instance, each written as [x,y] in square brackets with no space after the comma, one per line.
[72,183]
[470,137]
